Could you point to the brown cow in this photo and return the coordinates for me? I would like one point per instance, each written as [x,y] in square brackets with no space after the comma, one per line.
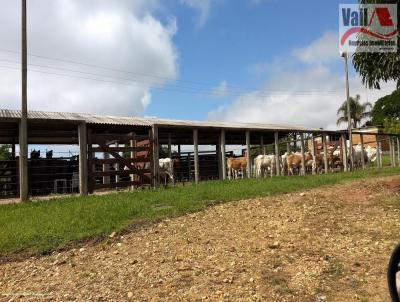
[235,164]
[294,161]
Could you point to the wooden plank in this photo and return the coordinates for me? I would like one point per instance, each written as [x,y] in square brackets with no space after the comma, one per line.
[102,137]
[344,152]
[379,157]
[120,173]
[120,149]
[111,161]
[91,180]
[120,184]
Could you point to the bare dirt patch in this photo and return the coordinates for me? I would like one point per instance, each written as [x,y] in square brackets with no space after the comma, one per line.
[327,244]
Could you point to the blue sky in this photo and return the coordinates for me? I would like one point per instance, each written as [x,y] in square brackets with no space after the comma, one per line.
[237,36]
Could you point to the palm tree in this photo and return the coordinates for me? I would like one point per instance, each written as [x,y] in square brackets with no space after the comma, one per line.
[358,111]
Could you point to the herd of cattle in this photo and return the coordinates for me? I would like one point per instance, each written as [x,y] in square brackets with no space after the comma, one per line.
[289,163]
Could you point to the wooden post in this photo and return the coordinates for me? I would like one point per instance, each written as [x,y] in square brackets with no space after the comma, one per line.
[179,151]
[398,150]
[106,168]
[156,156]
[362,151]
[262,144]
[169,145]
[248,170]
[344,152]
[314,154]
[196,155]
[391,151]
[379,150]
[288,149]
[325,152]
[277,160]
[13,150]
[116,167]
[223,152]
[83,164]
[303,161]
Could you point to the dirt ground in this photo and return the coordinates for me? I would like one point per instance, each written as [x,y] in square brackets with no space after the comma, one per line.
[327,244]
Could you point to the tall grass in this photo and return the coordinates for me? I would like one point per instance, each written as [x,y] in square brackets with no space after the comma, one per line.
[43,226]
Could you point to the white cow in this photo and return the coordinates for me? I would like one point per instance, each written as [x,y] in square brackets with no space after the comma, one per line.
[371,153]
[263,163]
[166,169]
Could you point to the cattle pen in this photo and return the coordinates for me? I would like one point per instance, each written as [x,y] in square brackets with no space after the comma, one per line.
[124,152]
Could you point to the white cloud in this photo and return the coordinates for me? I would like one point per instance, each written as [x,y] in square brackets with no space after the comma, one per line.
[121,34]
[323,50]
[221,90]
[306,97]
[202,7]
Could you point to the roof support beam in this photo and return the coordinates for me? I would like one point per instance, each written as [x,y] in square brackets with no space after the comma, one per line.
[83,164]
[196,155]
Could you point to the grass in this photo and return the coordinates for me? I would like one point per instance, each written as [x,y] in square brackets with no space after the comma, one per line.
[44,226]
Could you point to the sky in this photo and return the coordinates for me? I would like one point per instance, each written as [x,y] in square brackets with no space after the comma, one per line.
[265,61]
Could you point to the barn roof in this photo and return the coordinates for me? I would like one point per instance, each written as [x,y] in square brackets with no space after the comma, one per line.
[14,115]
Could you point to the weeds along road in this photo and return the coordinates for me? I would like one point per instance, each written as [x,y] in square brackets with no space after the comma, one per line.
[326,244]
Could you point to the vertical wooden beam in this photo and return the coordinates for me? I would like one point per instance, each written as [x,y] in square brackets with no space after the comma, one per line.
[343,151]
[314,154]
[288,148]
[303,161]
[218,156]
[223,152]
[379,150]
[324,144]
[169,145]
[248,170]
[156,156]
[391,151]
[83,163]
[262,144]
[398,150]
[106,168]
[116,167]
[13,150]
[196,155]
[277,157]
[362,151]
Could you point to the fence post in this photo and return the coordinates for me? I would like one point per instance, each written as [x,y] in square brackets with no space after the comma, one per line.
[248,172]
[156,157]
[223,152]
[379,151]
[277,160]
[391,151]
[325,152]
[303,162]
[314,154]
[398,150]
[83,164]
[362,151]
[343,152]
[196,155]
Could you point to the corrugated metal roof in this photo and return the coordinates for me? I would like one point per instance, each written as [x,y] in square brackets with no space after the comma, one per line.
[139,121]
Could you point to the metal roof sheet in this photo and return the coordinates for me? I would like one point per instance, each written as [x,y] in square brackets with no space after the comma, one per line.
[143,121]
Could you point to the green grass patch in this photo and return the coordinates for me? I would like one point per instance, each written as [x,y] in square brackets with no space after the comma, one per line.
[44,226]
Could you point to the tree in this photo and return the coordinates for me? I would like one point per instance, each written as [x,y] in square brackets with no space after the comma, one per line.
[377,67]
[385,108]
[5,153]
[358,111]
